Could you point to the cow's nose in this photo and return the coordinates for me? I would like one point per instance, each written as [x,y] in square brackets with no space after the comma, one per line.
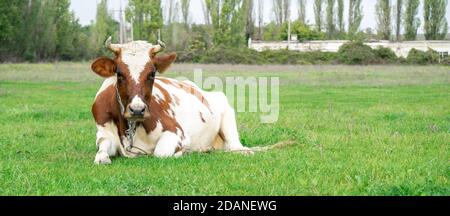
[137,111]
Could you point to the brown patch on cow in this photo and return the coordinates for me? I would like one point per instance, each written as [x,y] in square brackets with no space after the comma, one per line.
[179,147]
[188,89]
[160,112]
[218,142]
[104,66]
[162,62]
[106,109]
[201,117]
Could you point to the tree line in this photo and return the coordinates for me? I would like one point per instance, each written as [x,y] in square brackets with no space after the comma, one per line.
[41,30]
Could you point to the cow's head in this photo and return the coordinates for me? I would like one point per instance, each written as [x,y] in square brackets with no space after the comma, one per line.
[135,65]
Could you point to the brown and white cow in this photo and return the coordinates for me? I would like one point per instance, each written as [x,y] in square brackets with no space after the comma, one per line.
[168,116]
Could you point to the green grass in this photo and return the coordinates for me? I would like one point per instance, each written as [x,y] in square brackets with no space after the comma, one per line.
[376,130]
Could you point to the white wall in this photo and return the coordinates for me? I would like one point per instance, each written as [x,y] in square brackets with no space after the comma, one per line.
[400,48]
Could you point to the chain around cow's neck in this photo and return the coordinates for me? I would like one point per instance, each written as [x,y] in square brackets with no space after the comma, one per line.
[129,133]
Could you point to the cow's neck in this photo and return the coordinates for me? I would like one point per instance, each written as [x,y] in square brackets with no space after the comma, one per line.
[127,129]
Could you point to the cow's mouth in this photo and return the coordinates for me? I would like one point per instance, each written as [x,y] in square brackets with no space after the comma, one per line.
[137,117]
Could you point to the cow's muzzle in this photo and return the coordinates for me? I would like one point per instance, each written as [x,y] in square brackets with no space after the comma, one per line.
[137,110]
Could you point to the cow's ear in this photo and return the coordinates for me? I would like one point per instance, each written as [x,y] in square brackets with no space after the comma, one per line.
[163,62]
[104,67]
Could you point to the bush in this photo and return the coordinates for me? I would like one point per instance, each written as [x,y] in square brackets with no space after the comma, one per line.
[223,55]
[385,55]
[356,53]
[350,53]
[420,57]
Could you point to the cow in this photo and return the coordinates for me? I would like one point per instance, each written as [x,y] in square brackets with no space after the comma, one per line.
[139,113]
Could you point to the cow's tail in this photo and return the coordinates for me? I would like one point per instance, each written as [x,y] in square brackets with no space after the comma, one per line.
[278,145]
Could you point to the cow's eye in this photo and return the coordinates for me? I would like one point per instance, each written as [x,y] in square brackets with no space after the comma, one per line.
[151,76]
[120,76]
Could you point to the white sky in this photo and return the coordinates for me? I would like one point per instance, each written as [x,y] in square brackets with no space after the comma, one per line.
[85,11]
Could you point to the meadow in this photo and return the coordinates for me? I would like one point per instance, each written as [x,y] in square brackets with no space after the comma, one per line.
[359,130]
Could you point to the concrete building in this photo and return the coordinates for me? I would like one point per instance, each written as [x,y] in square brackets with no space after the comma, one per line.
[400,48]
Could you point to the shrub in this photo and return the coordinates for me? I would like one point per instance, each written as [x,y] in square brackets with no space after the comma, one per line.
[416,57]
[385,55]
[356,53]
[433,56]
[222,55]
[420,57]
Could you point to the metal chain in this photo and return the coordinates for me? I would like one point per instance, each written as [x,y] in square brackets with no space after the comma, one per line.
[129,133]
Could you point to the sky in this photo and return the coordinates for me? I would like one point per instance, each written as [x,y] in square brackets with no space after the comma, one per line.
[85,11]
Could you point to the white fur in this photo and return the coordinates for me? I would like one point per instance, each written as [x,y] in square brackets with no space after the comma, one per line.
[108,142]
[167,145]
[137,103]
[108,81]
[136,55]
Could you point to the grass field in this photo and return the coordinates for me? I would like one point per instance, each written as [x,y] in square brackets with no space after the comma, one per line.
[374,130]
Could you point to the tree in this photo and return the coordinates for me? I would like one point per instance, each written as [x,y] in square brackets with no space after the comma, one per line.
[185,12]
[318,12]
[383,12]
[411,21]
[354,17]
[229,21]
[331,26]
[104,26]
[11,24]
[434,17]
[249,25]
[40,31]
[302,11]
[146,16]
[260,18]
[303,32]
[340,17]
[281,10]
[398,19]
[172,29]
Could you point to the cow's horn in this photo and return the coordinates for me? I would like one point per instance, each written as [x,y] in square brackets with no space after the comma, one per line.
[159,47]
[110,46]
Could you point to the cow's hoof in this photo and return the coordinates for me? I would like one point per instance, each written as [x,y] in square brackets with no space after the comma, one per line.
[102,158]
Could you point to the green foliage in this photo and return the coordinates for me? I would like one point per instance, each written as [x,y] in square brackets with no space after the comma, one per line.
[340,16]
[356,53]
[318,14]
[383,12]
[385,55]
[436,27]
[103,27]
[354,18]
[331,21]
[229,21]
[146,16]
[398,19]
[272,32]
[304,32]
[223,55]
[411,19]
[40,30]
[423,58]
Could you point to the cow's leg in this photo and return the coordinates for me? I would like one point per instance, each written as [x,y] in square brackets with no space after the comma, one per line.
[168,145]
[228,130]
[107,143]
